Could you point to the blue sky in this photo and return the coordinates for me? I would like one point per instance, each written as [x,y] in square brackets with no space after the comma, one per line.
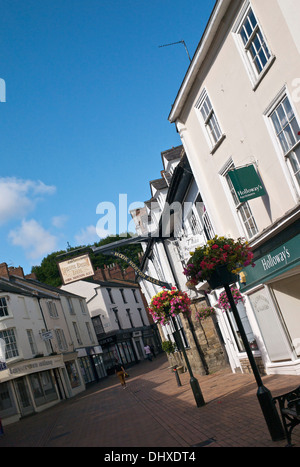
[88,94]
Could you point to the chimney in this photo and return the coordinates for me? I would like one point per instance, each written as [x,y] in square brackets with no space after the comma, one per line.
[99,275]
[4,270]
[129,274]
[116,272]
[16,271]
[31,276]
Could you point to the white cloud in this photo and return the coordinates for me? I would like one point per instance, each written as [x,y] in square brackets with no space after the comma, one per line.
[87,236]
[34,239]
[59,221]
[19,197]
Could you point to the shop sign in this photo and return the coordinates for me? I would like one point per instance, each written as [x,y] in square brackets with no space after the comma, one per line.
[108,340]
[35,365]
[76,269]
[138,271]
[247,183]
[47,335]
[274,263]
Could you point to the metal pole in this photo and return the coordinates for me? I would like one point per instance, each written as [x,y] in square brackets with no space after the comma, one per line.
[263,394]
[193,381]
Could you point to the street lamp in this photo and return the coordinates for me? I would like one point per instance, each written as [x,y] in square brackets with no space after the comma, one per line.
[193,381]
[263,394]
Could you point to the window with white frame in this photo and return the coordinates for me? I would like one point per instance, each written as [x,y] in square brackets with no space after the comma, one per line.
[77,333]
[286,127]
[31,340]
[70,305]
[243,209]
[61,340]
[11,348]
[253,43]
[89,331]
[82,307]
[209,118]
[52,309]
[3,307]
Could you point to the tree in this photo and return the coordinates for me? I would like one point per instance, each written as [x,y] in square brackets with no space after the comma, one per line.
[48,271]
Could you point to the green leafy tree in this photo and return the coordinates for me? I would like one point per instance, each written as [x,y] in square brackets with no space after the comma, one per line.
[48,271]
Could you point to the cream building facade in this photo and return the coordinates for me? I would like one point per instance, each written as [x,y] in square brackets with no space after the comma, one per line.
[238,107]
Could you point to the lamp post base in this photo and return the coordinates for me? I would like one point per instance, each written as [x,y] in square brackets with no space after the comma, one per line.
[270,413]
[197,392]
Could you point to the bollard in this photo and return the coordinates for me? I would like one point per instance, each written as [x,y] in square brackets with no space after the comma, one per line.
[177,377]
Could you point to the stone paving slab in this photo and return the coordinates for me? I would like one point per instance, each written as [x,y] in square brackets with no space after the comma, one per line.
[154,412]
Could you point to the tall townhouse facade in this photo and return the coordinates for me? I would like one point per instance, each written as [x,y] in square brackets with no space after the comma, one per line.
[175,221]
[77,324]
[40,361]
[237,112]
[119,318]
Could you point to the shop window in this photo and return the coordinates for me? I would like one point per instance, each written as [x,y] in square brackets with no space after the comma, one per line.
[6,401]
[43,388]
[73,374]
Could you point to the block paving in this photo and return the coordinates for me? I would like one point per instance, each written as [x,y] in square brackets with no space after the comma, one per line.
[154,412]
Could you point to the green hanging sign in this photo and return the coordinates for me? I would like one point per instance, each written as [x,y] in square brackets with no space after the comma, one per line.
[246,183]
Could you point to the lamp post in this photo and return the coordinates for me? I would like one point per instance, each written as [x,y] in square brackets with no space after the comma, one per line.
[193,381]
[263,394]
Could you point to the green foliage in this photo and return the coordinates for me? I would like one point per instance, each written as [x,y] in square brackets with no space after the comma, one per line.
[48,272]
[168,347]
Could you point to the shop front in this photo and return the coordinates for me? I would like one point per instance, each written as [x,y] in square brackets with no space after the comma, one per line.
[118,347]
[273,293]
[34,385]
[91,364]
[28,387]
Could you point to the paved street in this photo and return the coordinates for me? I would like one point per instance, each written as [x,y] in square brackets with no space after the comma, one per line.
[154,412]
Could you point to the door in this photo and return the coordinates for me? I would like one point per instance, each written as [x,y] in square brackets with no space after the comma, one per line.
[271,328]
[229,342]
[23,396]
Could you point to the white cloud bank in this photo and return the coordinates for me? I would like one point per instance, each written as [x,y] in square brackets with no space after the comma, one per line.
[34,239]
[19,197]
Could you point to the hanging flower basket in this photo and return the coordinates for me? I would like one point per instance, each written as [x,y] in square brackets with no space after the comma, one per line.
[218,262]
[169,303]
[223,299]
[204,313]
[221,276]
